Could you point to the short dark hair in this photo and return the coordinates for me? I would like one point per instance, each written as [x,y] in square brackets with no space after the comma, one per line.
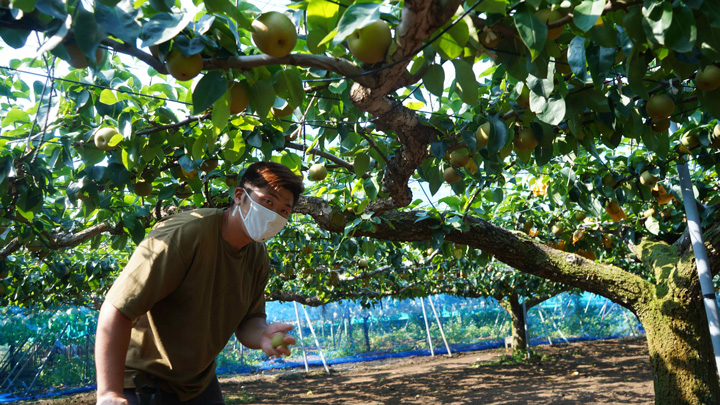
[262,174]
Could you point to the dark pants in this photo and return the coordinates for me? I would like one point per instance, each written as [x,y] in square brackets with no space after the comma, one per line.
[211,396]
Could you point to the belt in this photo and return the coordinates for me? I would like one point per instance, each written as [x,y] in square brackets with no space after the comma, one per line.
[145,388]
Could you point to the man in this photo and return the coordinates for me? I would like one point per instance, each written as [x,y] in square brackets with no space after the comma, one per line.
[197,278]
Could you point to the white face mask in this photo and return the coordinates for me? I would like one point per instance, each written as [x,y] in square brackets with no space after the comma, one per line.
[261,223]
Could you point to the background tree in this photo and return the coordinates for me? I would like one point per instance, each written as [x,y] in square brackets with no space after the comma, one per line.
[552,110]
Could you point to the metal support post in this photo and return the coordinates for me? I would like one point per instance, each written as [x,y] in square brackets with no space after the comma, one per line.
[427,328]
[442,333]
[317,343]
[527,334]
[302,344]
[701,259]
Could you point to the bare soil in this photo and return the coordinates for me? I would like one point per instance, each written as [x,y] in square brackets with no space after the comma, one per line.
[593,372]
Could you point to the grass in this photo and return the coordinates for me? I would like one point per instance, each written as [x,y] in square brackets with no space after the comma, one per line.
[241,397]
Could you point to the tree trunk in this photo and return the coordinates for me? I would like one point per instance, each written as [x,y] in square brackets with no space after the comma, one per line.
[673,315]
[520,343]
[513,306]
[682,360]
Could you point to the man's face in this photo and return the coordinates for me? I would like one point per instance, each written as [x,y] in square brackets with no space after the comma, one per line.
[279,200]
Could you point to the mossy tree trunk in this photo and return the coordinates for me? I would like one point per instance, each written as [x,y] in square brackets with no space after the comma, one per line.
[678,336]
[517,315]
[665,297]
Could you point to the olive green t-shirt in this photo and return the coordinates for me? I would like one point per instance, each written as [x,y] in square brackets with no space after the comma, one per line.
[187,291]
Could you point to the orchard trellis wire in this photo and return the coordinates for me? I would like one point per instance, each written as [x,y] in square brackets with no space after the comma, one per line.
[51,353]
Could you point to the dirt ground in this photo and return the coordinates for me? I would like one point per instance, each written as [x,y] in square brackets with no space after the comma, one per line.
[597,372]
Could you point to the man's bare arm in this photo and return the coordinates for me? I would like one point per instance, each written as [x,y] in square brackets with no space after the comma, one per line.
[111,344]
[255,333]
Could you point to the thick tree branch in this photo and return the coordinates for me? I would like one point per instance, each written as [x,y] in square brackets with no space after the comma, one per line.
[512,248]
[314,151]
[340,66]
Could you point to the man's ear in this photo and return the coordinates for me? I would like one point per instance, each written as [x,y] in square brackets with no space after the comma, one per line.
[239,194]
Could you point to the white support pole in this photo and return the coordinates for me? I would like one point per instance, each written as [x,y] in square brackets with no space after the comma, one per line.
[437,319]
[552,321]
[588,302]
[317,343]
[302,344]
[629,324]
[497,318]
[701,259]
[527,334]
[427,328]
[542,319]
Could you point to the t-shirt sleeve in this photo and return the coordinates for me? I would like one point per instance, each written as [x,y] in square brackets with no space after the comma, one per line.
[154,270]
[257,306]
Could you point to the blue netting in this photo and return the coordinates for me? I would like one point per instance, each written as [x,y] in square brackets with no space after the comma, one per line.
[49,354]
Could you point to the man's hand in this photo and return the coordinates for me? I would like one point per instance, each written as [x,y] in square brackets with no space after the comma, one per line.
[112,399]
[266,341]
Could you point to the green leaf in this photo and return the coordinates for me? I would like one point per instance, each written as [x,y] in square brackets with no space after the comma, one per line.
[15,115]
[498,195]
[355,17]
[233,147]
[361,164]
[450,44]
[6,166]
[108,97]
[533,32]
[498,134]
[587,13]
[322,17]
[288,85]
[14,37]
[652,225]
[53,8]
[543,154]
[682,34]
[466,84]
[221,112]
[657,19]
[712,12]
[633,24]
[163,27]
[637,67]
[262,97]
[370,188]
[208,90]
[228,8]
[708,37]
[118,22]
[710,102]
[493,6]
[434,80]
[470,139]
[576,57]
[88,33]
[553,111]
[600,61]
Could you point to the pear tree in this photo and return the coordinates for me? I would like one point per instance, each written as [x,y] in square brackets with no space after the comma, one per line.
[545,99]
